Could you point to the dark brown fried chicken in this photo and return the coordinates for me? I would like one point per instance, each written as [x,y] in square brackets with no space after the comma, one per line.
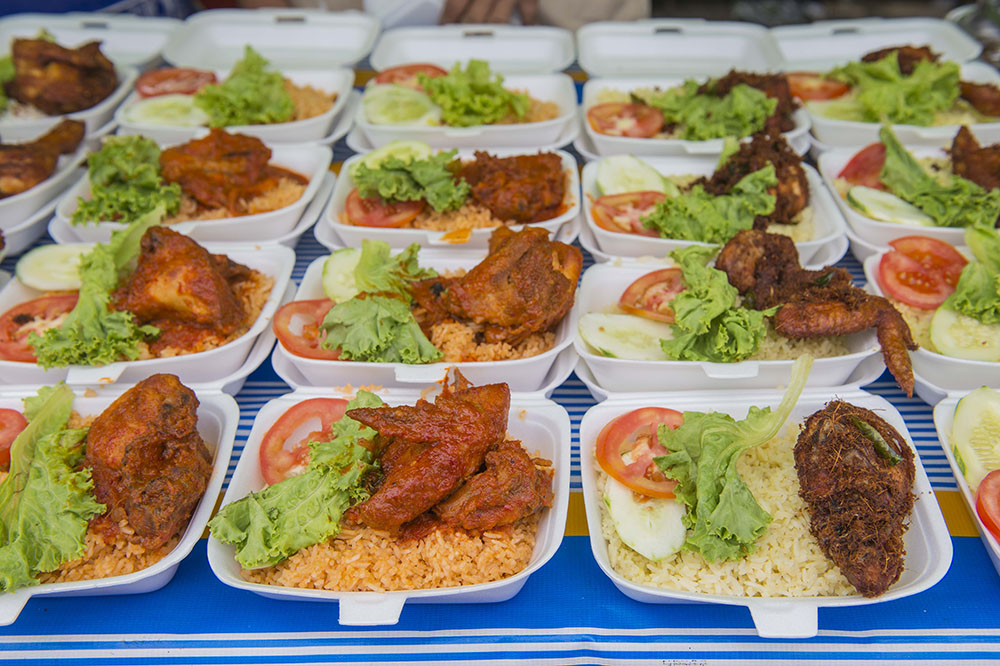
[858,498]
[981,165]
[430,450]
[149,464]
[908,56]
[24,165]
[58,80]
[765,268]
[791,193]
[772,85]
[519,189]
[984,97]
[525,285]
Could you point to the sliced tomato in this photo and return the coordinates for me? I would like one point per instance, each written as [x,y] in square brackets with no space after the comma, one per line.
[635,433]
[375,212]
[621,119]
[865,168]
[904,279]
[14,324]
[934,255]
[624,212]
[813,86]
[988,502]
[297,326]
[173,81]
[406,75]
[12,422]
[284,450]
[650,296]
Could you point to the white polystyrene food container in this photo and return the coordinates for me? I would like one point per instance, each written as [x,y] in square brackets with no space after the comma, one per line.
[526,374]
[352,235]
[617,145]
[937,374]
[823,45]
[14,210]
[599,291]
[201,367]
[218,416]
[126,39]
[681,47]
[944,419]
[20,237]
[856,133]
[338,81]
[829,224]
[358,142]
[96,117]
[542,426]
[873,231]
[928,544]
[309,160]
[288,38]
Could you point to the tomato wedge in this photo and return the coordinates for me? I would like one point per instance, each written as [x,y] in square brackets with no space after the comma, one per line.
[623,212]
[406,75]
[813,86]
[12,422]
[284,450]
[634,433]
[621,119]
[307,340]
[920,271]
[650,296]
[934,255]
[988,502]
[375,212]
[865,168]
[173,81]
[14,324]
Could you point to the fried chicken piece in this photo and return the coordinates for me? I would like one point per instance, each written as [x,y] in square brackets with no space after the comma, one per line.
[792,191]
[183,290]
[525,285]
[984,97]
[772,85]
[223,170]
[58,80]
[432,449]
[24,165]
[765,268]
[148,461]
[908,56]
[519,189]
[981,165]
[858,499]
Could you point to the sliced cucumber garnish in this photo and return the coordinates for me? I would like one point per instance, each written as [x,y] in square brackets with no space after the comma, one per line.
[626,173]
[394,104]
[338,274]
[886,207]
[961,336]
[176,110]
[624,336]
[52,267]
[975,434]
[651,526]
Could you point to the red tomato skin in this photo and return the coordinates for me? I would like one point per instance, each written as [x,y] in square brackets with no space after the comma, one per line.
[374,212]
[16,348]
[173,81]
[634,205]
[278,457]
[904,279]
[406,75]
[645,296]
[813,86]
[647,120]
[865,168]
[307,344]
[934,255]
[622,431]
[12,422]
[988,503]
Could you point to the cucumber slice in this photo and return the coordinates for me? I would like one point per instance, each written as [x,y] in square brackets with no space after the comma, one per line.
[394,104]
[961,336]
[627,173]
[406,150]
[975,434]
[624,336]
[176,110]
[52,267]
[651,527]
[886,207]
[338,274]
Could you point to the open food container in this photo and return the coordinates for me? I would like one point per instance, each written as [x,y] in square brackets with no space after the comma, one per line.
[20,237]
[928,545]
[829,224]
[600,289]
[14,210]
[218,417]
[352,235]
[208,366]
[309,160]
[358,142]
[541,424]
[525,374]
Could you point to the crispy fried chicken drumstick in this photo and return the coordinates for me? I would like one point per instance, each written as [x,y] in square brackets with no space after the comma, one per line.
[58,80]
[856,476]
[765,268]
[24,165]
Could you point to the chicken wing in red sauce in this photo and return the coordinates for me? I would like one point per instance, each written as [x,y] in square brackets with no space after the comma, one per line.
[58,80]
[24,165]
[518,189]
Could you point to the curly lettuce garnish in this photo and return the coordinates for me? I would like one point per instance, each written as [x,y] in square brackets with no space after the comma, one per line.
[473,97]
[252,94]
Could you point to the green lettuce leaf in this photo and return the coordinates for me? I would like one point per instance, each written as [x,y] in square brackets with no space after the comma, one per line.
[268,526]
[252,94]
[378,271]
[723,518]
[6,74]
[376,328]
[702,116]
[699,216]
[92,334]
[125,183]
[473,96]
[45,505]
[411,180]
[977,293]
